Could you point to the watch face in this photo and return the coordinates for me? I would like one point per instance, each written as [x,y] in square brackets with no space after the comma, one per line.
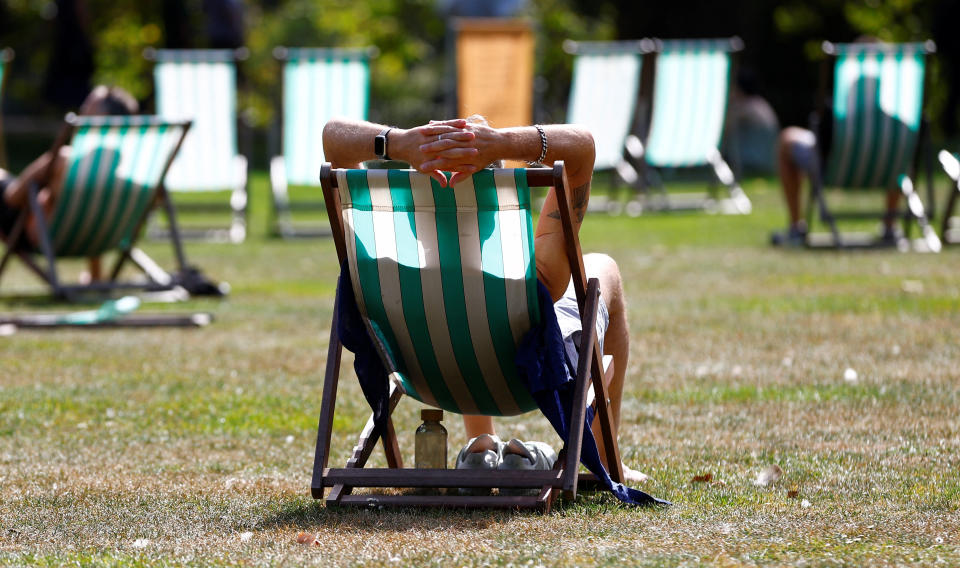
[380,145]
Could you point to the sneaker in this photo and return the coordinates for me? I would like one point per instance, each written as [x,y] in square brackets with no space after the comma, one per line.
[793,237]
[483,452]
[527,456]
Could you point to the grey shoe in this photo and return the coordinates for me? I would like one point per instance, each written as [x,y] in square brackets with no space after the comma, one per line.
[484,453]
[526,456]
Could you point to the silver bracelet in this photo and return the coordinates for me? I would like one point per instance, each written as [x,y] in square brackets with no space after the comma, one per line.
[543,144]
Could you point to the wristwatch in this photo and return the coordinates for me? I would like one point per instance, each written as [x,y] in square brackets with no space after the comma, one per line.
[380,144]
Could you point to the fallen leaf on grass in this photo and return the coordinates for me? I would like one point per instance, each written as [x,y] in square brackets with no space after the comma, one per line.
[702,478]
[246,536]
[793,493]
[308,539]
[850,375]
[805,504]
[768,476]
[141,543]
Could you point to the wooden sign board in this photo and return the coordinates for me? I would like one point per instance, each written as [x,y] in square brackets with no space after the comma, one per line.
[495,70]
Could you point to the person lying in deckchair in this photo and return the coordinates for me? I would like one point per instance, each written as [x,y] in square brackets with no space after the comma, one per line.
[465,146]
[102,100]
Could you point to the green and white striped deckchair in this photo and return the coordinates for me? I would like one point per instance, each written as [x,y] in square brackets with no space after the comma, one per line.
[201,85]
[318,84]
[6,56]
[603,97]
[690,91]
[114,178]
[877,115]
[445,282]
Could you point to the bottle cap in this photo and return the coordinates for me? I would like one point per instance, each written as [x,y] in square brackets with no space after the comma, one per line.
[433,414]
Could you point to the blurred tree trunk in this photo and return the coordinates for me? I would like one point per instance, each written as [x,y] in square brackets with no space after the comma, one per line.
[71,63]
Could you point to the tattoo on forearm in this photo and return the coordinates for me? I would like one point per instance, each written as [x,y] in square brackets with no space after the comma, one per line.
[580,197]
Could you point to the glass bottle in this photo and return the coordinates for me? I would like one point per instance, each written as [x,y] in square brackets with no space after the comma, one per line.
[430,441]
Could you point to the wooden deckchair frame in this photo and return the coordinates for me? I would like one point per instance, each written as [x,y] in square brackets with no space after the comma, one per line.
[158,279]
[914,209]
[565,476]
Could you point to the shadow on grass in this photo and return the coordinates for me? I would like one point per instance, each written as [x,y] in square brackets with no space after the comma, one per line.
[309,515]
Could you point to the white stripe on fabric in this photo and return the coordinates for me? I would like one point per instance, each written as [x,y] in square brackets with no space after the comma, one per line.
[887,100]
[432,286]
[514,268]
[474,298]
[388,272]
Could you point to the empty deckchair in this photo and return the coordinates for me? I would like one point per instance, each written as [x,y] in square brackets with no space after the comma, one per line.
[876,125]
[201,85]
[114,178]
[6,56]
[318,84]
[437,296]
[603,97]
[690,91]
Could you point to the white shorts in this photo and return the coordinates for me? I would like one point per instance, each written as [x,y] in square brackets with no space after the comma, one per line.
[568,316]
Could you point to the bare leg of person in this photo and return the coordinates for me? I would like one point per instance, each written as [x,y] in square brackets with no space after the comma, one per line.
[616,342]
[474,425]
[791,176]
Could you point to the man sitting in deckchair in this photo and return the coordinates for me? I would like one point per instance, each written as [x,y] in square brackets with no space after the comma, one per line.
[464,146]
[102,100]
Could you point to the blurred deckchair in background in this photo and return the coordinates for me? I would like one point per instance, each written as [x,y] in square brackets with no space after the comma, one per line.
[318,84]
[113,180]
[603,97]
[877,120]
[690,94]
[201,85]
[950,225]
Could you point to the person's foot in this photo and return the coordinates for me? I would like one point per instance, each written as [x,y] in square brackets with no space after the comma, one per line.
[794,236]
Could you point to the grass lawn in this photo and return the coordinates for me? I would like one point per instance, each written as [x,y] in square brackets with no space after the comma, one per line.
[194,447]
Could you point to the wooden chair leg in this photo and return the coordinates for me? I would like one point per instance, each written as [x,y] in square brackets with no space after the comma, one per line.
[327,406]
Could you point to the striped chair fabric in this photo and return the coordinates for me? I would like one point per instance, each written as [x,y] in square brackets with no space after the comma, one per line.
[689,102]
[319,84]
[877,106]
[113,175]
[445,279]
[603,96]
[201,85]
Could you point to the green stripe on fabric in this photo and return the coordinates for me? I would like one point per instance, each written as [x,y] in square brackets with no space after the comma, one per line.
[368,273]
[80,193]
[454,302]
[494,287]
[98,201]
[523,196]
[411,289]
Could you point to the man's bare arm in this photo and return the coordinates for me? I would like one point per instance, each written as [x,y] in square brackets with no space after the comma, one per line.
[347,143]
